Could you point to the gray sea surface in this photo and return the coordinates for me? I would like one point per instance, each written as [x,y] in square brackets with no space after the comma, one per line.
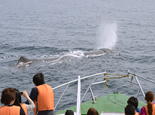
[43,29]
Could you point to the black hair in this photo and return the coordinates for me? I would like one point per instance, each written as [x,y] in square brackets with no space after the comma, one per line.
[18,97]
[69,112]
[133,101]
[38,79]
[130,110]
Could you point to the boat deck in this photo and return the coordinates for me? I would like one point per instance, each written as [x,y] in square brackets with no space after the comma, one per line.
[113,104]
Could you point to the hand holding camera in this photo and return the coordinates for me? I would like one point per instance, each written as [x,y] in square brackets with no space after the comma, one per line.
[24,93]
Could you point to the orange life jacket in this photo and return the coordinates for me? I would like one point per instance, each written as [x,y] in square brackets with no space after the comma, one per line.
[146,109]
[24,108]
[10,110]
[45,98]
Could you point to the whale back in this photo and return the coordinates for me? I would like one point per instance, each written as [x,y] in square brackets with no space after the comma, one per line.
[23,61]
[97,52]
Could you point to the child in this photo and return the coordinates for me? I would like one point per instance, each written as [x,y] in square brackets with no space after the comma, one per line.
[129,110]
[134,101]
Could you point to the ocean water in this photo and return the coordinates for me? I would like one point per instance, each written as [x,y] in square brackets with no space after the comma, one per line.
[43,29]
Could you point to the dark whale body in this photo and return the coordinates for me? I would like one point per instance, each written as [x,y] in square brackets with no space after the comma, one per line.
[23,61]
[97,52]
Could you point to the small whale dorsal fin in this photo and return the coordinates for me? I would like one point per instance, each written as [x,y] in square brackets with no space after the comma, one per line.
[23,59]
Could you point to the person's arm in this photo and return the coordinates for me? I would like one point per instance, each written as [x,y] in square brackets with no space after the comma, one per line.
[31,105]
[33,95]
[142,111]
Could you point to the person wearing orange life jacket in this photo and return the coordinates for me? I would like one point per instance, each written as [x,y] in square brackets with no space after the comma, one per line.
[43,96]
[148,109]
[18,102]
[7,98]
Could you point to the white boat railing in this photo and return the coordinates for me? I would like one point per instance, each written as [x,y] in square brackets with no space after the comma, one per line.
[138,83]
[78,107]
[130,79]
[68,83]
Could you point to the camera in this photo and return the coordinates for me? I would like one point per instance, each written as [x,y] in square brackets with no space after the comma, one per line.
[21,93]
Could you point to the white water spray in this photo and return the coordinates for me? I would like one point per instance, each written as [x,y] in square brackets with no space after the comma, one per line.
[107,36]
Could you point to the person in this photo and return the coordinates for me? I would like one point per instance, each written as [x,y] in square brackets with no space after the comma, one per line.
[130,110]
[42,95]
[25,107]
[134,101]
[148,109]
[92,111]
[69,112]
[7,98]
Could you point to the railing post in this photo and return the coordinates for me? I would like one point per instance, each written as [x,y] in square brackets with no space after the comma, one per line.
[138,93]
[88,89]
[140,86]
[92,95]
[61,96]
[78,106]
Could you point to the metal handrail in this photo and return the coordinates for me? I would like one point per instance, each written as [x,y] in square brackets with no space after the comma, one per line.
[73,82]
[94,83]
[80,78]
[138,83]
[142,77]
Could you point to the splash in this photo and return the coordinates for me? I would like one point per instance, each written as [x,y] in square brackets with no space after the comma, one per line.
[107,36]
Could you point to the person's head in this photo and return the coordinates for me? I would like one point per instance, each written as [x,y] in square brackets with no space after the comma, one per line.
[8,95]
[129,110]
[133,101]
[149,97]
[69,112]
[92,111]
[38,79]
[18,97]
